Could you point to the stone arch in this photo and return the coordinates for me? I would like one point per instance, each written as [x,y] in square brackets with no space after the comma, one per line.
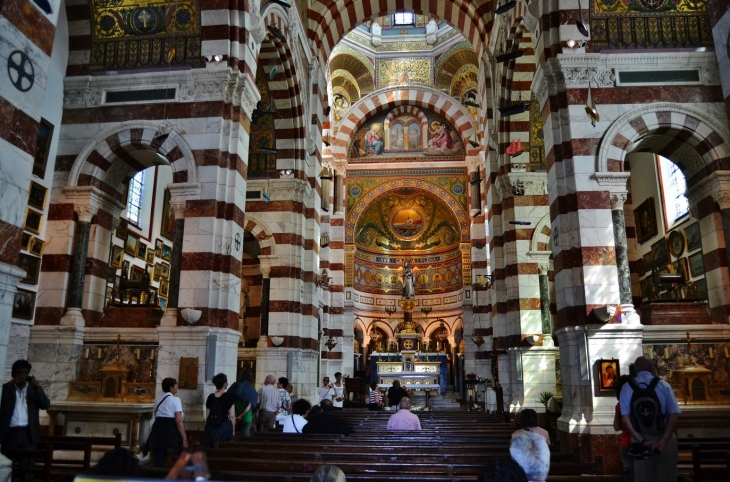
[515,90]
[541,236]
[381,324]
[434,325]
[330,21]
[405,109]
[261,231]
[423,97]
[285,88]
[110,156]
[665,128]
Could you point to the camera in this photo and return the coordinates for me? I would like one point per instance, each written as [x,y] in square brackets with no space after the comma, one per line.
[29,378]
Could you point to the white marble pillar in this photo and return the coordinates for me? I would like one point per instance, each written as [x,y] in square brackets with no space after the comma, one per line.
[10,276]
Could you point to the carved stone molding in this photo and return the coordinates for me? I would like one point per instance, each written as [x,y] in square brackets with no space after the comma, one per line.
[87,201]
[196,85]
[533,183]
[266,262]
[581,76]
[722,199]
[180,193]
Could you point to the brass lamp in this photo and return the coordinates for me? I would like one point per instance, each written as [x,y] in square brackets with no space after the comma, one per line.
[331,343]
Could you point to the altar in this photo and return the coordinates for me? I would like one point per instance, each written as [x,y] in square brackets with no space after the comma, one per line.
[413,370]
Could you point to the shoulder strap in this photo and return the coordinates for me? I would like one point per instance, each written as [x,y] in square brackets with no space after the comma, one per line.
[325,394]
[158,405]
[293,422]
[654,383]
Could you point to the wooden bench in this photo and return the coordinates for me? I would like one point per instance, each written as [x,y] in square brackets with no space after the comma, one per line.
[710,464]
[54,466]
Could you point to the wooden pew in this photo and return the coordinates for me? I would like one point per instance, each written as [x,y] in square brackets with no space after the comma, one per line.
[711,464]
[54,466]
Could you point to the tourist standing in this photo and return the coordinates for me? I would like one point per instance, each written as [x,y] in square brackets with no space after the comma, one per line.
[269,404]
[340,392]
[220,413]
[168,432]
[325,392]
[375,401]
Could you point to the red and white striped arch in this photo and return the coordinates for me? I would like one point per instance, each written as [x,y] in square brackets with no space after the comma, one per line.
[330,21]
[286,90]
[120,152]
[422,97]
[674,125]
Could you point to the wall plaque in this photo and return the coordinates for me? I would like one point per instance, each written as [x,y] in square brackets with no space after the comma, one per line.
[188,376]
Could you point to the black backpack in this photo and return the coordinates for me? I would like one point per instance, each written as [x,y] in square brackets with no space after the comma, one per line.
[215,416]
[646,410]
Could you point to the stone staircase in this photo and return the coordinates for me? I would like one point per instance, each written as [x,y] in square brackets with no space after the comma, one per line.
[444,402]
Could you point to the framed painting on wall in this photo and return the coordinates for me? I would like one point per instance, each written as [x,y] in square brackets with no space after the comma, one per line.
[122,229]
[660,254]
[167,226]
[137,272]
[142,251]
[696,264]
[36,246]
[132,244]
[150,256]
[694,236]
[117,256]
[645,221]
[648,262]
[640,266]
[609,372]
[37,195]
[33,221]
[32,267]
[43,146]
[158,247]
[24,304]
[166,253]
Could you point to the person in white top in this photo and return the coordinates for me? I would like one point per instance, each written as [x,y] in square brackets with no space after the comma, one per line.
[528,422]
[168,432]
[325,392]
[295,422]
[340,392]
[532,453]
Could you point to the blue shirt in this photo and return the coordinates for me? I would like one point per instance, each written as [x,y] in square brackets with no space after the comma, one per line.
[663,391]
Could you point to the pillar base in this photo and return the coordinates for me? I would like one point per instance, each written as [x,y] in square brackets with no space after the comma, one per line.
[73,317]
[631,317]
[605,445]
[169,319]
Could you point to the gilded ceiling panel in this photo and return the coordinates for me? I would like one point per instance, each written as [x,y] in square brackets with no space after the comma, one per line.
[360,66]
[649,23]
[409,71]
[139,33]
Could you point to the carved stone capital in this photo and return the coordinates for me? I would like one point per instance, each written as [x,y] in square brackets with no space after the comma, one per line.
[722,199]
[85,212]
[617,201]
[178,210]
[543,269]
[266,261]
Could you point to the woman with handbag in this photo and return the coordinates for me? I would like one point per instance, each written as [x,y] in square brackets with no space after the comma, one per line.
[168,432]
[220,413]
[325,392]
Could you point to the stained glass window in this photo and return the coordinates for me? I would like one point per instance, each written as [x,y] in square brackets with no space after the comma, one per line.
[404,18]
[134,199]
[674,187]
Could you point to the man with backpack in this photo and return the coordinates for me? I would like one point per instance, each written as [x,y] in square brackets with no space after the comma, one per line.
[649,411]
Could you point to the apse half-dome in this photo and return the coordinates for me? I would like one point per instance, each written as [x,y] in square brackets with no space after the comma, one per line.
[407,224]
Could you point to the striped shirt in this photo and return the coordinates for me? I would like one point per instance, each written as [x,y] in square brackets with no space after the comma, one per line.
[374,397]
[269,398]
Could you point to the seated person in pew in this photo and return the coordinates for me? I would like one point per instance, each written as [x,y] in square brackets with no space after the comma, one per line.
[503,469]
[528,422]
[295,422]
[325,422]
[532,453]
[119,462]
[404,419]
[328,473]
